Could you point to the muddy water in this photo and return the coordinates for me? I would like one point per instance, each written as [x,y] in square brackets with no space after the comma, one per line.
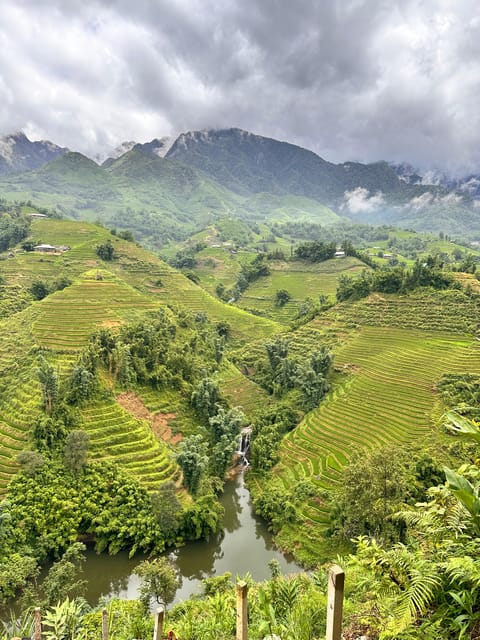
[243,546]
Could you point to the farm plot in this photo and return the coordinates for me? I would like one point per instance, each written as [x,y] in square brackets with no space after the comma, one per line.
[67,318]
[19,392]
[450,311]
[387,397]
[117,435]
[301,280]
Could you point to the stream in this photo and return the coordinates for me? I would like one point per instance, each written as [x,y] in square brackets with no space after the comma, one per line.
[244,545]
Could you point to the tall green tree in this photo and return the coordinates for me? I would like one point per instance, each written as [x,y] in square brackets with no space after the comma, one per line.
[193,461]
[49,383]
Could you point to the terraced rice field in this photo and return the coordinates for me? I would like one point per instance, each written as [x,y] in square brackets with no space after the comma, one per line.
[301,279]
[19,394]
[450,311]
[117,435]
[240,391]
[67,318]
[386,396]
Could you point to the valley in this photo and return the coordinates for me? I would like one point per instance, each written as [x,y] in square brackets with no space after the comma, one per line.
[127,376]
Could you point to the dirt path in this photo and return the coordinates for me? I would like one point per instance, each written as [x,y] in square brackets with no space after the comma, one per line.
[158,421]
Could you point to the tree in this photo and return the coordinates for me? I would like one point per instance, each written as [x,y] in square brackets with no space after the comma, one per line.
[39,290]
[282,297]
[167,508]
[62,578]
[193,461]
[105,251]
[49,383]
[205,398]
[227,423]
[76,450]
[82,384]
[30,462]
[159,581]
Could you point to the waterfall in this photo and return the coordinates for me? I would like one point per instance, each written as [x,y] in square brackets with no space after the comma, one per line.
[244,445]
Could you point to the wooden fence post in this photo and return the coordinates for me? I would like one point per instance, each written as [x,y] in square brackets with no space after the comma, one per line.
[37,634]
[158,630]
[104,624]
[336,584]
[242,612]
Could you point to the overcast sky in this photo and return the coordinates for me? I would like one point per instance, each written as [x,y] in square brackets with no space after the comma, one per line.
[351,79]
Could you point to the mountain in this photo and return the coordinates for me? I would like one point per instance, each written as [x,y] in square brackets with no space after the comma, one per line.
[18,153]
[163,191]
[248,164]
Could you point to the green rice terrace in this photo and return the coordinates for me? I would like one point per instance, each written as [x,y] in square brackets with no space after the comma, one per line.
[390,355]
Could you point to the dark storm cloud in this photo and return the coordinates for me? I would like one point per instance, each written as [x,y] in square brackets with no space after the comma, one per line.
[351,79]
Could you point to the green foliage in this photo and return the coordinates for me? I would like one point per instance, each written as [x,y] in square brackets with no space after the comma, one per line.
[282,296]
[316,251]
[62,580]
[205,398]
[75,452]
[63,621]
[426,272]
[39,290]
[48,379]
[14,227]
[16,569]
[374,486]
[105,251]
[159,581]
[30,462]
[193,461]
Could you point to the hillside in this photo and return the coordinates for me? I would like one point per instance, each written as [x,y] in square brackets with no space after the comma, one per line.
[101,294]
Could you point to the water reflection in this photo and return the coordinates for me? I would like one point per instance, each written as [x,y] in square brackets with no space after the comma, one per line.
[245,545]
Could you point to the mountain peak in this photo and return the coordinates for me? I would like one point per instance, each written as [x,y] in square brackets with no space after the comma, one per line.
[18,153]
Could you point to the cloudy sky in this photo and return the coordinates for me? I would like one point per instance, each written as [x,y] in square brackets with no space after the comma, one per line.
[351,79]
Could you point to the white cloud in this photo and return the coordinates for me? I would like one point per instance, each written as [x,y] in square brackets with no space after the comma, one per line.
[359,200]
[404,85]
[429,199]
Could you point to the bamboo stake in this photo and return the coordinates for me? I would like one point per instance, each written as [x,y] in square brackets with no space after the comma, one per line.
[242,621]
[37,634]
[104,624]
[158,630]
[336,584]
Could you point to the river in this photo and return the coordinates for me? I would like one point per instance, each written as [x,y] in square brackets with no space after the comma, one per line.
[244,545]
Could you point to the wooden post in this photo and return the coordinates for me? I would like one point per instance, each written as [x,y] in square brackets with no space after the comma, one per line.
[104,624]
[336,584]
[37,634]
[158,630]
[242,621]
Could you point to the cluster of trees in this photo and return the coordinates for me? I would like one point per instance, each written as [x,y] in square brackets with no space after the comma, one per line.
[427,272]
[249,272]
[203,458]
[360,235]
[105,251]
[167,349]
[316,251]
[40,289]
[14,226]
[298,385]
[279,373]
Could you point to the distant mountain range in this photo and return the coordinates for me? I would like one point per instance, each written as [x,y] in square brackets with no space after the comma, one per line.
[167,188]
